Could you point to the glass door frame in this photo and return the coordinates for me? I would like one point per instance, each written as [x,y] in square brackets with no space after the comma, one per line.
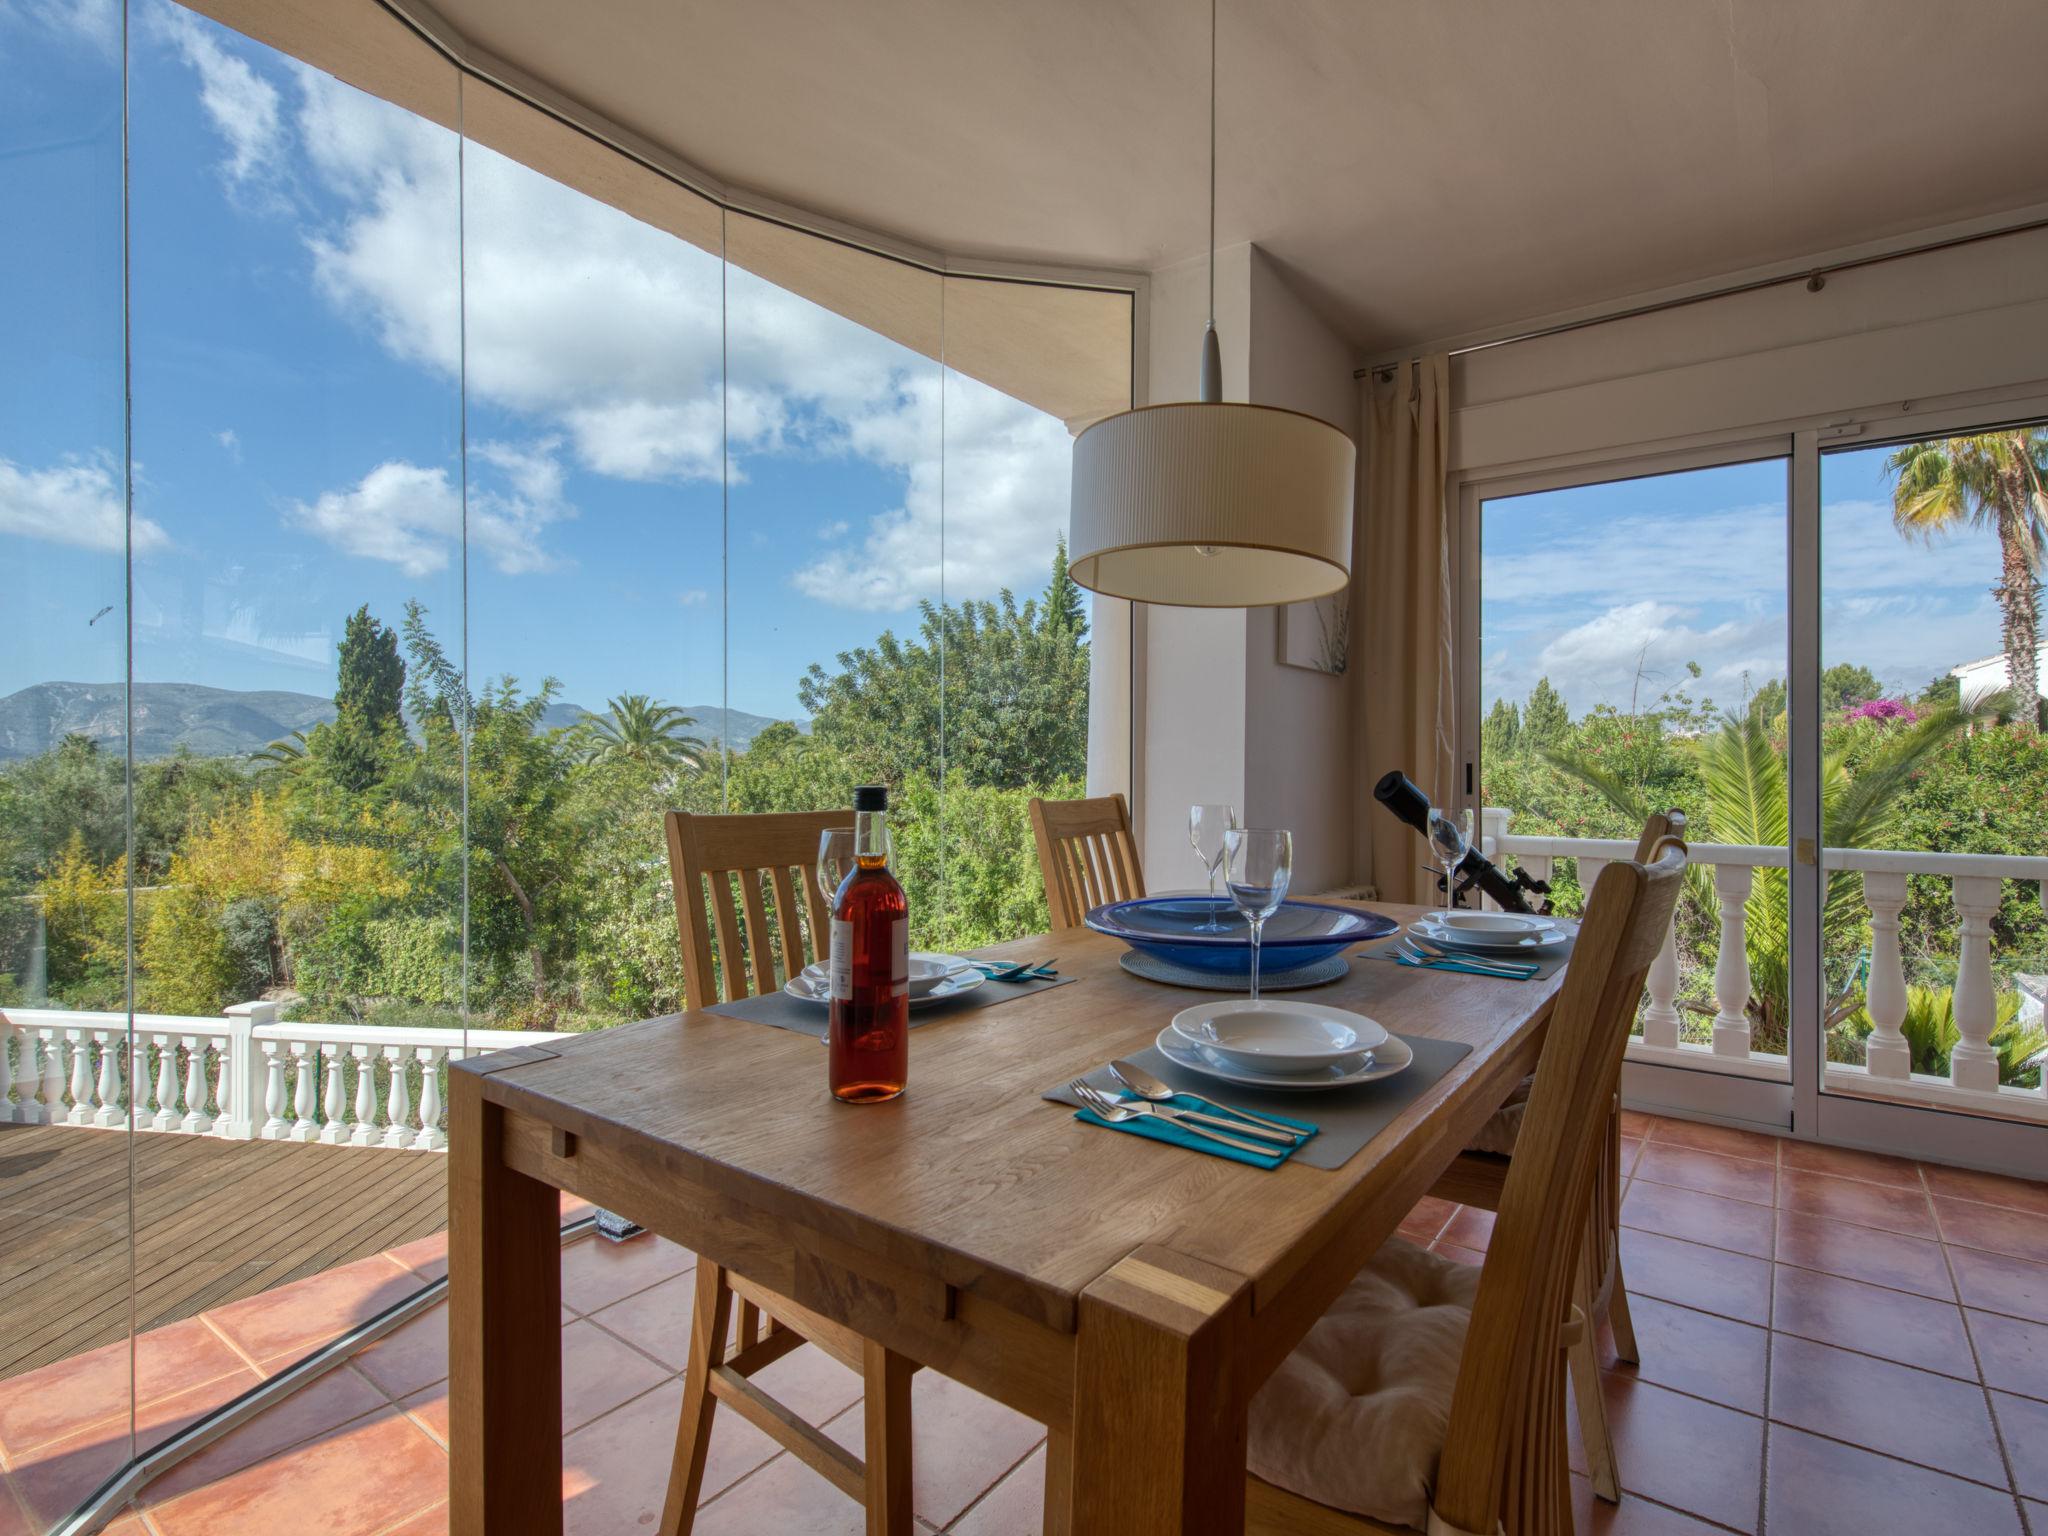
[1794,1105]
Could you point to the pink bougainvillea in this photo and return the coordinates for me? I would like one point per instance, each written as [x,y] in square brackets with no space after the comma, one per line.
[1883,709]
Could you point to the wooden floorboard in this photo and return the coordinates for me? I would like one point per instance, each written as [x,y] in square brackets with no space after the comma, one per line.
[215,1221]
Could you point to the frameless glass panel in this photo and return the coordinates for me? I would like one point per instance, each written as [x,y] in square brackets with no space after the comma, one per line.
[835,528]
[596,600]
[64,1256]
[1633,648]
[1935,789]
[295,326]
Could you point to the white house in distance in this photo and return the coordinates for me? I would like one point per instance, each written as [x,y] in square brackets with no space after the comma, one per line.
[1981,679]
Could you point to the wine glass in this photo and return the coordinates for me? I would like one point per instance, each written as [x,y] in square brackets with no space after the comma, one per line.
[1259,864]
[1450,839]
[1207,825]
[835,862]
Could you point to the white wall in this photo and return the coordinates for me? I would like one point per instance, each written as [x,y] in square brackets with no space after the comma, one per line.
[1219,717]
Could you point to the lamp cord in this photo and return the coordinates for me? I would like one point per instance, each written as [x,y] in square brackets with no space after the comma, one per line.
[1212,164]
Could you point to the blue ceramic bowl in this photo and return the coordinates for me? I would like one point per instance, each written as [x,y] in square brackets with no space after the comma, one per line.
[1175,929]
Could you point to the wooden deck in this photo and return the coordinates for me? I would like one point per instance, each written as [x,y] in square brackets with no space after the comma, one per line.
[214,1221]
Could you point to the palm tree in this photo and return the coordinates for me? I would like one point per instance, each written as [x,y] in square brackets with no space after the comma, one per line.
[1747,802]
[1998,479]
[285,755]
[636,729]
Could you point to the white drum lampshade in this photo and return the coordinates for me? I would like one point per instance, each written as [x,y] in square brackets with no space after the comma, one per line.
[1206,504]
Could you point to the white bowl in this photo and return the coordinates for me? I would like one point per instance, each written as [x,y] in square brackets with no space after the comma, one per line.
[1277,1035]
[927,971]
[1489,925]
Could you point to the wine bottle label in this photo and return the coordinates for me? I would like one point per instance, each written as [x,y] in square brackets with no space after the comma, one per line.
[840,970]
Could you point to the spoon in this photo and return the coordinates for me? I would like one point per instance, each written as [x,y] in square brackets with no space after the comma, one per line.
[1146,1086]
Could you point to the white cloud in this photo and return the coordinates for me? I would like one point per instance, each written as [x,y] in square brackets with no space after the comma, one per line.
[836,529]
[244,107]
[694,597]
[231,441]
[74,503]
[411,515]
[98,22]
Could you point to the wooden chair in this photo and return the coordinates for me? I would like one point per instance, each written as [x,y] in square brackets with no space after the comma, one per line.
[1478,1178]
[762,940]
[1491,1455]
[1086,854]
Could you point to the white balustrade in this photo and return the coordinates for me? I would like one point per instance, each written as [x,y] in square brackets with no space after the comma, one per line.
[1977,882]
[1886,1053]
[245,1076]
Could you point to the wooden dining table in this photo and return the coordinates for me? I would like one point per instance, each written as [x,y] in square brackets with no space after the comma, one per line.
[1129,1294]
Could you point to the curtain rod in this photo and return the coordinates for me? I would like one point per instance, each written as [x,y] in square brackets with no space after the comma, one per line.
[1815,278]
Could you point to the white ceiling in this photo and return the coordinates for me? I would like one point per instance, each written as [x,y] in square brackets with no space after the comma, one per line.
[1420,168]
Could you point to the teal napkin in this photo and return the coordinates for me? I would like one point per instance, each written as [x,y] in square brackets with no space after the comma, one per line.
[1181,1136]
[1528,974]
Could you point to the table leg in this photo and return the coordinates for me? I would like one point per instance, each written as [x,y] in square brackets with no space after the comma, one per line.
[1161,1400]
[504,1331]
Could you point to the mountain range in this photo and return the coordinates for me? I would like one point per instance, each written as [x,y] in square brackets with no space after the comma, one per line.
[226,722]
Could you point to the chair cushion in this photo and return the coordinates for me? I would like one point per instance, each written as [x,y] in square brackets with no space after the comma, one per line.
[1498,1135]
[1355,1418]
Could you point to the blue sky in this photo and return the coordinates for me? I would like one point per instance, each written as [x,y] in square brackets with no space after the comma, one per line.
[1600,586]
[297,325]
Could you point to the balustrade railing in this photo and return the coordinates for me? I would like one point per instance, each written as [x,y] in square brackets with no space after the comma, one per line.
[1976,882]
[244,1076]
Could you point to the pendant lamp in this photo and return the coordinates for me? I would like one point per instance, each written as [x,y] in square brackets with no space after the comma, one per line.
[1207,503]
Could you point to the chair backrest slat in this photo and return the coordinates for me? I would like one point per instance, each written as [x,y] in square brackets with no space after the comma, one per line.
[722,959]
[1086,855]
[1504,1459]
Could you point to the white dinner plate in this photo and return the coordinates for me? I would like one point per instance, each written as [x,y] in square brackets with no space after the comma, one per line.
[1392,1057]
[807,987]
[1541,942]
[1278,1034]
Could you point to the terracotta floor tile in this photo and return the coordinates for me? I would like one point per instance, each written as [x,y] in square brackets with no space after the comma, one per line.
[1847,1163]
[1633,1516]
[1636,1124]
[812,1383]
[615,1469]
[1820,1488]
[2024,1424]
[599,1373]
[1707,1279]
[1891,1409]
[337,1398]
[1631,1149]
[1852,1200]
[427,1257]
[53,1479]
[412,1356]
[1696,1352]
[1738,1178]
[787,1496]
[1014,1507]
[2037,1516]
[597,1272]
[1913,1330]
[1470,1228]
[429,1410]
[1990,1188]
[574,1208]
[1702,1218]
[1994,1228]
[361,1479]
[2013,1354]
[1996,1283]
[961,1442]
[1728,1140]
[291,1320]
[13,1518]
[655,1321]
[1426,1219]
[1697,1457]
[67,1396]
[428,1522]
[1863,1253]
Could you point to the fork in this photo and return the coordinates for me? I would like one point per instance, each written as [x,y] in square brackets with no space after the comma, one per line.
[1517,972]
[1116,1113]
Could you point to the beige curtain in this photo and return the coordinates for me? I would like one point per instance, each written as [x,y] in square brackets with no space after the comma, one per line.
[1403,708]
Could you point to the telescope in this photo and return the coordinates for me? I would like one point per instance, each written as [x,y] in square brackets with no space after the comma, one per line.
[1515,892]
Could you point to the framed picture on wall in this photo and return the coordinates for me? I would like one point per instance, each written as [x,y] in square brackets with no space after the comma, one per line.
[1317,635]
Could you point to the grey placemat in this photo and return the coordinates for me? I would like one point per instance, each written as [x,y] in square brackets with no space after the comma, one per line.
[1152,968]
[1347,1118]
[785,1012]
[1549,965]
